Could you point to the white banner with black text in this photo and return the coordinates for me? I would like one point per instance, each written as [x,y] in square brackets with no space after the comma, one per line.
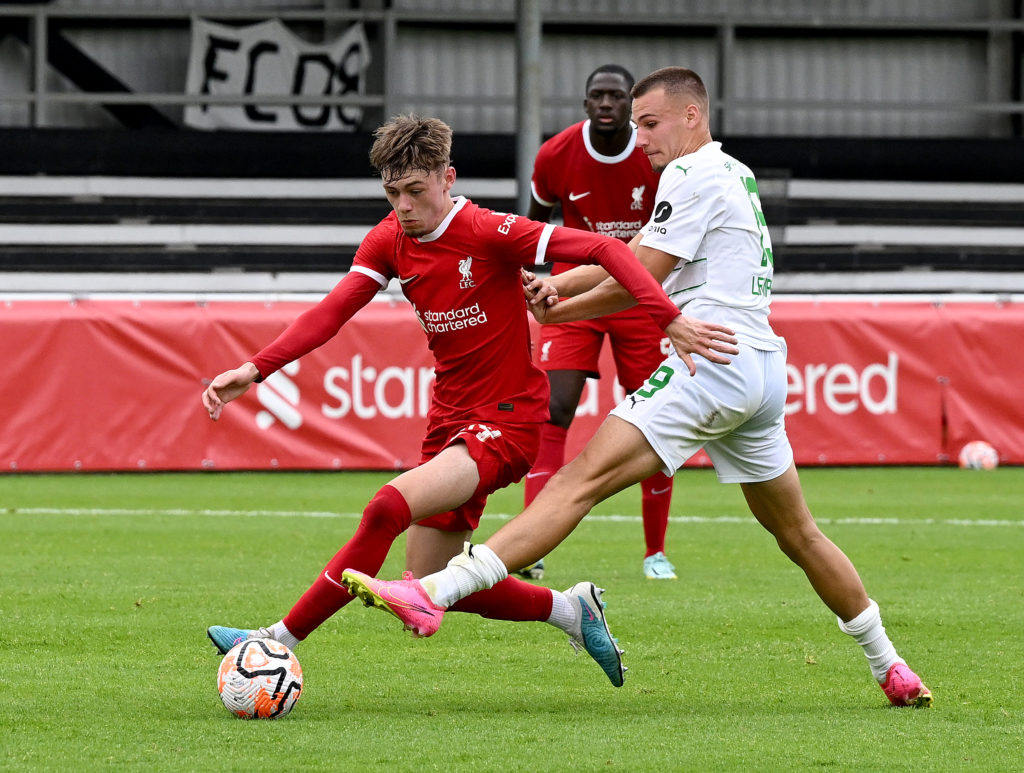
[268,59]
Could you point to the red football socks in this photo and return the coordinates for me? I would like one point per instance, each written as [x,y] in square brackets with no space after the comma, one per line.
[510,599]
[385,517]
[656,499]
[550,457]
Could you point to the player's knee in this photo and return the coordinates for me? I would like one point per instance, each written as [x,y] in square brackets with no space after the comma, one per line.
[798,541]
[561,418]
[563,411]
[387,510]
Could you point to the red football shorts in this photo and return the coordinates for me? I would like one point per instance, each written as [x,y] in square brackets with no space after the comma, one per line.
[503,453]
[635,339]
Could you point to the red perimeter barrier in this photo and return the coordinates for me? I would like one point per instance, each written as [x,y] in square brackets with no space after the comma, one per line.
[115,385]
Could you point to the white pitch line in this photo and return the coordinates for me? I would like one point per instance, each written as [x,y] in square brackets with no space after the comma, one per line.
[501,516]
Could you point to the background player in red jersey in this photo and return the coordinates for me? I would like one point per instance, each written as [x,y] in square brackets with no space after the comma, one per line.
[460,267]
[605,184]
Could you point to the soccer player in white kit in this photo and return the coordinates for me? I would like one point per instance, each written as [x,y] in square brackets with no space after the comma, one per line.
[708,243]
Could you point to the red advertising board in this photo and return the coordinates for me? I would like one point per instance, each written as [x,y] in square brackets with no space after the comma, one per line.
[115,385]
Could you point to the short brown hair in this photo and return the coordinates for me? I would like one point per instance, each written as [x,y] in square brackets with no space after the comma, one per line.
[408,143]
[677,82]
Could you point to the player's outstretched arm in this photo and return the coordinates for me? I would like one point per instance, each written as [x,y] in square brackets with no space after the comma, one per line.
[313,328]
[227,386]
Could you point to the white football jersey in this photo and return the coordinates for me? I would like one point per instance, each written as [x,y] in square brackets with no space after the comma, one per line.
[708,214]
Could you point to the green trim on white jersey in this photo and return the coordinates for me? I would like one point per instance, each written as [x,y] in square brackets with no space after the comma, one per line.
[708,215]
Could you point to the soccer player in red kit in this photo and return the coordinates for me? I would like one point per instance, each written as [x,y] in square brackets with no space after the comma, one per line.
[461,268]
[604,184]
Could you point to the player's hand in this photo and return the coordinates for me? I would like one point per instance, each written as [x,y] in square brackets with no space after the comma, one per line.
[690,335]
[539,292]
[227,386]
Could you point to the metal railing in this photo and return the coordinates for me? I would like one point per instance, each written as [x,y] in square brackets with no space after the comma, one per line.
[1003,39]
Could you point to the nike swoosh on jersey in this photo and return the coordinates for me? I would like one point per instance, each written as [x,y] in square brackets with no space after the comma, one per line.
[578,196]
[536,474]
[407,279]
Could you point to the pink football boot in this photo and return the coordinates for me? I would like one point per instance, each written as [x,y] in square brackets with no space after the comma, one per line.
[405,599]
[904,688]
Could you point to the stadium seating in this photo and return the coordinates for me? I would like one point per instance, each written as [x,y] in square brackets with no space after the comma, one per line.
[238,234]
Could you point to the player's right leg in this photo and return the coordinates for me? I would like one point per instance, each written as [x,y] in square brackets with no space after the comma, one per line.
[224,637]
[443,482]
[579,611]
[616,457]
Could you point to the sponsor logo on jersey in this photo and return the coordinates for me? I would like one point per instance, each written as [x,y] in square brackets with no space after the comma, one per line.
[451,320]
[617,229]
[545,351]
[466,268]
[578,196]
[662,211]
[638,197]
[506,226]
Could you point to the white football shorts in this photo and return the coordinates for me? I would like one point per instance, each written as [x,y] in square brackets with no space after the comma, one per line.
[735,412]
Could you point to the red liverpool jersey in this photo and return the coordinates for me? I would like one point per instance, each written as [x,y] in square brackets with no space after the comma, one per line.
[610,195]
[464,283]
[463,280]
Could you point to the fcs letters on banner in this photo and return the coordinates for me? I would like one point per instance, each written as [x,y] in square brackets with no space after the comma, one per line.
[267,58]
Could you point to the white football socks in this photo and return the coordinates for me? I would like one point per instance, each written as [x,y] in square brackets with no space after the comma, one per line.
[867,630]
[279,633]
[563,613]
[476,568]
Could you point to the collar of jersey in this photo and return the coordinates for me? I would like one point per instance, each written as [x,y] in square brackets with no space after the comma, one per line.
[608,159]
[704,149]
[437,233]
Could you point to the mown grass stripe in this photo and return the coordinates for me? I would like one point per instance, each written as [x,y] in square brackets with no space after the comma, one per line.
[610,518]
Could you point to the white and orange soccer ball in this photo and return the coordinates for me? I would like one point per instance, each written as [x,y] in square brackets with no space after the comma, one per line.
[259,679]
[978,455]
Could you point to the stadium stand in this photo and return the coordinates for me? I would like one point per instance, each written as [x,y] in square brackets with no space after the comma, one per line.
[78,230]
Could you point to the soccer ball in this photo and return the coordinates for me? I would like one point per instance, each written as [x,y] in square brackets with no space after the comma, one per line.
[978,455]
[259,679]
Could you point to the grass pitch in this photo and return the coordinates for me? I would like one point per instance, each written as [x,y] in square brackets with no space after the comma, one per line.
[108,582]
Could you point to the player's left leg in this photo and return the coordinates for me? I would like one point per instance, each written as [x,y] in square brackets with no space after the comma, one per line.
[616,457]
[780,507]
[429,549]
[757,455]
[579,611]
